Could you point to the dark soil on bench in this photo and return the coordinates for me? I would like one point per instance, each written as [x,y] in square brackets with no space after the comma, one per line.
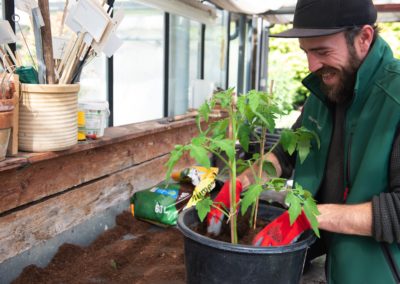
[131,252]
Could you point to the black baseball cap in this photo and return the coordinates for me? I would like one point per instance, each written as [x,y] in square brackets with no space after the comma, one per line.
[314,18]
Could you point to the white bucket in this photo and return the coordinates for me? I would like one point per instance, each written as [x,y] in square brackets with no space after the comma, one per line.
[96,117]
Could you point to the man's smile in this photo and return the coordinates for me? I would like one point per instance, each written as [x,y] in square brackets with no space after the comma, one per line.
[329,77]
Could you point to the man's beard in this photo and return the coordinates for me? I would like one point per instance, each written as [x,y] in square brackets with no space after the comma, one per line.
[343,91]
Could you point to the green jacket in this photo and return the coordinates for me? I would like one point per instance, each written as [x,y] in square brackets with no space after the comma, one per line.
[370,127]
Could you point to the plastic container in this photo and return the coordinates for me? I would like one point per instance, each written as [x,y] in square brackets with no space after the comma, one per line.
[96,117]
[81,125]
[211,261]
[47,117]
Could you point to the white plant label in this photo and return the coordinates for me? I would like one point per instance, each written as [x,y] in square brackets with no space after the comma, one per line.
[7,35]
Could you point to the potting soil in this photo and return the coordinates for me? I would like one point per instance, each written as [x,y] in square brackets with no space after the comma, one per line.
[132,252]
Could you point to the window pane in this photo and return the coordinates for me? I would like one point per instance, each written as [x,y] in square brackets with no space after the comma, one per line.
[138,65]
[93,77]
[25,39]
[184,62]
[247,57]
[215,51]
[233,56]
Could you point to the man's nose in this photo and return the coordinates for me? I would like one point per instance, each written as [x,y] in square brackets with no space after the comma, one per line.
[314,64]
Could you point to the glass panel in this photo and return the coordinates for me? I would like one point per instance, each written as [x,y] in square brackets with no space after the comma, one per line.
[233,56]
[25,39]
[248,56]
[138,65]
[184,61]
[93,77]
[215,51]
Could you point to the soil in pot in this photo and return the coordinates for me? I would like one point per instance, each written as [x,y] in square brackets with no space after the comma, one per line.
[212,261]
[245,233]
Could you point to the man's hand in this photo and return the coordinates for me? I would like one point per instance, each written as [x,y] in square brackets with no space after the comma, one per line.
[279,232]
[215,217]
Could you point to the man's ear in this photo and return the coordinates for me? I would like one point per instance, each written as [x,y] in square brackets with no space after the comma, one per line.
[364,39]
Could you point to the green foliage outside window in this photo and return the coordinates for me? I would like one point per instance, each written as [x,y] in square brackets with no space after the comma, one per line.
[288,64]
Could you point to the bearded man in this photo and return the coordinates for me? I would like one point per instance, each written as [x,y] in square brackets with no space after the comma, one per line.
[354,107]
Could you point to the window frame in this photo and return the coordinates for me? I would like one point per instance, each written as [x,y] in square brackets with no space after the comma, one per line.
[9,10]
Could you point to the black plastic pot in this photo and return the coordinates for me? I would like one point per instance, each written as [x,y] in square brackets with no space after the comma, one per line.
[211,261]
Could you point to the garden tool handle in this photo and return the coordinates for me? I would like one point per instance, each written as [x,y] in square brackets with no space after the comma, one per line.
[215,217]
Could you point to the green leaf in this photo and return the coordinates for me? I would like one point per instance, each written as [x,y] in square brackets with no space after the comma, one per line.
[271,124]
[200,155]
[311,210]
[225,98]
[276,110]
[307,194]
[203,207]
[244,136]
[198,123]
[294,206]
[288,140]
[277,184]
[312,205]
[303,131]
[241,105]
[303,147]
[227,146]
[220,127]
[175,156]
[254,100]
[298,191]
[269,168]
[199,140]
[250,196]
[264,120]
[241,166]
[204,111]
[316,137]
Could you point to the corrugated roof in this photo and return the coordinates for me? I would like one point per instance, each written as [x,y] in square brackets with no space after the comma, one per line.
[281,11]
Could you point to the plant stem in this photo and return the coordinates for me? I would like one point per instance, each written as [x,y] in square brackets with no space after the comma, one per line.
[225,212]
[218,155]
[260,170]
[232,164]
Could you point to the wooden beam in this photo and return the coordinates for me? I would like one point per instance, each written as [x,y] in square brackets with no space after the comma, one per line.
[45,178]
[23,229]
[112,135]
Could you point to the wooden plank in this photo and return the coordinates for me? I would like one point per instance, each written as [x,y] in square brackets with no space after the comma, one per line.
[38,180]
[47,44]
[35,224]
[112,135]
[12,149]
[392,7]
